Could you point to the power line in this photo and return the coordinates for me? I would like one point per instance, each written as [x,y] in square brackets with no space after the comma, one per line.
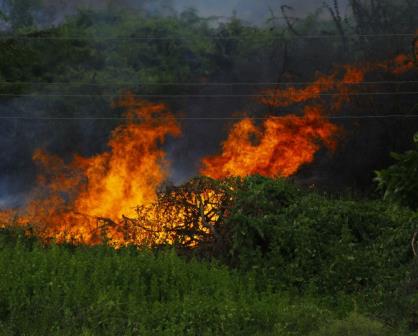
[202,83]
[170,38]
[206,95]
[333,117]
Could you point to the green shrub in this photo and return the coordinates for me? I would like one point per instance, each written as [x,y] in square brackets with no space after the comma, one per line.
[399,182]
[302,239]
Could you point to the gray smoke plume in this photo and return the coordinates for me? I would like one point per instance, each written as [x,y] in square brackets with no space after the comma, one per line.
[53,12]
[251,11]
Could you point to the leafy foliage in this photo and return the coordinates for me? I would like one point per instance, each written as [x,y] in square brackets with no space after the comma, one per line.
[399,182]
[287,247]
[302,239]
[292,237]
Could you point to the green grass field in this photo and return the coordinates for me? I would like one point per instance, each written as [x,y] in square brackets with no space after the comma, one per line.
[61,290]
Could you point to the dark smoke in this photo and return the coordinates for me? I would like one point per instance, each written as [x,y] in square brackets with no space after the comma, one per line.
[364,148]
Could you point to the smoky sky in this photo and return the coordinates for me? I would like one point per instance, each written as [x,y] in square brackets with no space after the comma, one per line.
[253,11]
[19,139]
[52,12]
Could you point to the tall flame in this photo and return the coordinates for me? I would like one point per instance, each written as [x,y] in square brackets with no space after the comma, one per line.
[277,148]
[283,144]
[71,196]
[113,195]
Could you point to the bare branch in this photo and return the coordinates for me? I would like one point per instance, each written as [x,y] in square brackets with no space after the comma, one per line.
[289,24]
[336,17]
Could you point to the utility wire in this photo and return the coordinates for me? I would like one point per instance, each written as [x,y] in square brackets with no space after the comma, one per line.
[333,117]
[207,95]
[169,38]
[202,83]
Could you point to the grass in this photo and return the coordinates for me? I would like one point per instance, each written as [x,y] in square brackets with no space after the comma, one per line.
[59,290]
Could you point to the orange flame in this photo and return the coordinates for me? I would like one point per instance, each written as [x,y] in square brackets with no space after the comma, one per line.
[284,144]
[113,195]
[352,75]
[278,148]
[70,197]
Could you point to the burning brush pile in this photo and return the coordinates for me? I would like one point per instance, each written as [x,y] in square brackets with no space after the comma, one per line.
[119,197]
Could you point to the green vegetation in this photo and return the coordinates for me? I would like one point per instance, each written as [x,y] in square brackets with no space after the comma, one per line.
[399,182]
[99,291]
[296,263]
[303,239]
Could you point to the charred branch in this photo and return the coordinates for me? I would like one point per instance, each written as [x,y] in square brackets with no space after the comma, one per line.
[338,21]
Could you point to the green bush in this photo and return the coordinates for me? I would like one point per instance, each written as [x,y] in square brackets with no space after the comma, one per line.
[303,239]
[399,182]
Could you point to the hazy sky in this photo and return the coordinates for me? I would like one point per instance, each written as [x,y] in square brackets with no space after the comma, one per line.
[252,10]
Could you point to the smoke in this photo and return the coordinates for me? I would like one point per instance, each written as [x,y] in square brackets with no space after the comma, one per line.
[253,12]
[53,12]
[201,137]
[23,130]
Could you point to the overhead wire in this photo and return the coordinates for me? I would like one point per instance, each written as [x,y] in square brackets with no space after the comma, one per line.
[205,95]
[214,37]
[203,83]
[2,37]
[331,117]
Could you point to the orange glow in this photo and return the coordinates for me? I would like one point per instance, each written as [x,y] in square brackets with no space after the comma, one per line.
[339,84]
[282,98]
[283,144]
[278,148]
[113,196]
[71,197]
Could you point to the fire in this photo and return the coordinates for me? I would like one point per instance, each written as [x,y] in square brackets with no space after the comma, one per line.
[277,148]
[283,144]
[341,88]
[188,215]
[71,197]
[130,173]
[113,196]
